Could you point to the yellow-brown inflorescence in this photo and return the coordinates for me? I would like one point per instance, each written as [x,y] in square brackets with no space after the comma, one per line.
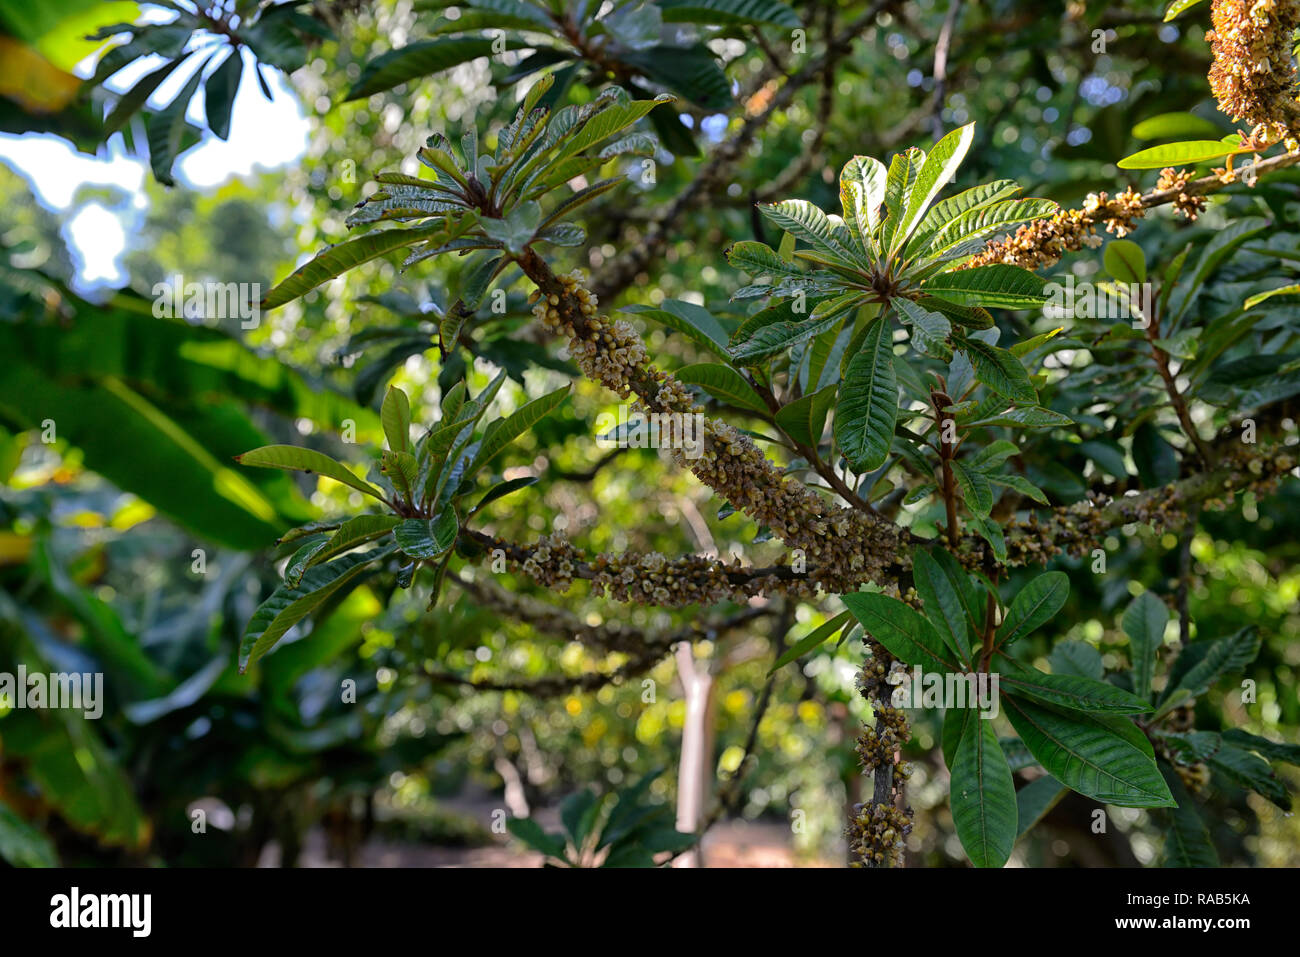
[876,829]
[1076,529]
[650,578]
[1185,203]
[841,546]
[1044,241]
[1251,75]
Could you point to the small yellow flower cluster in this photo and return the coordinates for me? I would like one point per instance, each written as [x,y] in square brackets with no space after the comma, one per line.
[1251,75]
[1184,203]
[1044,241]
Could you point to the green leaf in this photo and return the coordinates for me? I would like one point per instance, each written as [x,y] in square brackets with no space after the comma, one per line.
[900,180]
[502,489]
[334,261]
[983,796]
[1273,750]
[355,531]
[289,605]
[219,93]
[1144,622]
[729,11]
[1125,261]
[812,640]
[862,190]
[938,169]
[1187,841]
[1252,772]
[1201,664]
[759,259]
[419,59]
[504,431]
[804,419]
[1253,301]
[695,322]
[778,328]
[428,538]
[1033,418]
[519,227]
[944,214]
[974,488]
[994,285]
[1034,800]
[1175,125]
[531,833]
[1179,154]
[724,384]
[1072,692]
[22,845]
[308,530]
[166,128]
[1102,757]
[298,561]
[1155,458]
[403,471]
[395,415]
[691,72]
[577,814]
[968,232]
[942,601]
[1178,6]
[934,325]
[1034,605]
[1020,484]
[306,460]
[1075,658]
[131,101]
[1220,246]
[991,532]
[868,403]
[806,221]
[901,629]
[999,370]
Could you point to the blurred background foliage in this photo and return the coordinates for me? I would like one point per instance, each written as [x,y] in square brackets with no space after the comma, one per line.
[130,545]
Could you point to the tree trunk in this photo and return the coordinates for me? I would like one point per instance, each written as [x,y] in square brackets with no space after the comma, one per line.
[695,773]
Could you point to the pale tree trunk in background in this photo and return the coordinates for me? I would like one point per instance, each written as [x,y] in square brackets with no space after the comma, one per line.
[695,773]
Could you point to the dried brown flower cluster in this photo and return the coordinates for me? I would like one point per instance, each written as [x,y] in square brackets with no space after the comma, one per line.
[1044,241]
[876,830]
[555,562]
[1251,75]
[1185,204]
[876,833]
[1076,529]
[847,546]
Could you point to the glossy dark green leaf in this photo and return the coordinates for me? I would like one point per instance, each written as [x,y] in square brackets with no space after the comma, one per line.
[1144,622]
[868,402]
[983,796]
[901,629]
[219,93]
[1102,757]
